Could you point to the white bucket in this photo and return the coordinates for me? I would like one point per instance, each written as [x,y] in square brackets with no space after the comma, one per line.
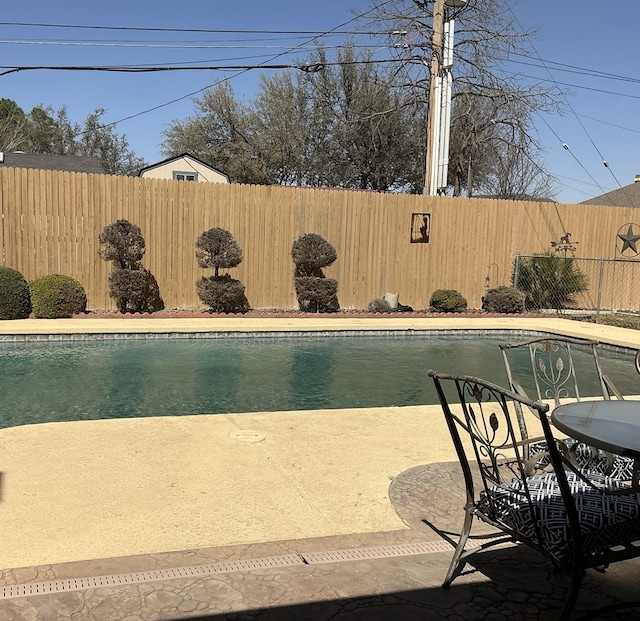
[392,298]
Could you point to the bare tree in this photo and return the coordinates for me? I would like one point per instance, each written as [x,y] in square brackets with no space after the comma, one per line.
[492,150]
[517,176]
[497,106]
[12,135]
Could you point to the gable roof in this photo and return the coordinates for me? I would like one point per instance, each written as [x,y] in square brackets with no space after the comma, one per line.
[46,161]
[179,157]
[627,196]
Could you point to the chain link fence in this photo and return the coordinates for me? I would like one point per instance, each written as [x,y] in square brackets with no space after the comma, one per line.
[575,285]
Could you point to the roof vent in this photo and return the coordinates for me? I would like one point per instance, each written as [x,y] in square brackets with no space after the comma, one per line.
[636,179]
[1,157]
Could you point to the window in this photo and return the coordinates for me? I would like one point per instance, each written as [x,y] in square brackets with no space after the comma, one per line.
[185,176]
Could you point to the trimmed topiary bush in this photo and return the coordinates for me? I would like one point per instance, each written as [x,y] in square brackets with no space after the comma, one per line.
[134,288]
[447,301]
[315,293]
[218,249]
[503,300]
[137,291]
[379,305]
[122,243]
[15,297]
[222,294]
[127,287]
[311,253]
[55,296]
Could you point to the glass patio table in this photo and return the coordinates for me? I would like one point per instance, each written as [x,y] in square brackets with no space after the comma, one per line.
[611,425]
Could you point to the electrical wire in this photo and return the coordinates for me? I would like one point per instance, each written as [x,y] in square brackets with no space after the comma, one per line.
[175,46]
[308,68]
[564,145]
[310,33]
[628,129]
[228,78]
[573,68]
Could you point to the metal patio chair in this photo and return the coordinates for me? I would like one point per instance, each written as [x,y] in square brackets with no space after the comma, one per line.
[578,520]
[549,367]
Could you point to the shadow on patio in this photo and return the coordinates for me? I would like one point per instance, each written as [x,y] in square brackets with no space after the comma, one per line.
[502,584]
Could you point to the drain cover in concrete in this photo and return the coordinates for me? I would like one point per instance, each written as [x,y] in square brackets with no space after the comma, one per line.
[246,435]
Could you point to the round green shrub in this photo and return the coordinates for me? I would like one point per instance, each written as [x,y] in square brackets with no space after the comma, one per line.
[379,305]
[447,301]
[55,295]
[222,294]
[503,300]
[15,298]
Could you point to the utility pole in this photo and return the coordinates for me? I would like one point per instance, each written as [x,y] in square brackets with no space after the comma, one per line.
[433,126]
[440,86]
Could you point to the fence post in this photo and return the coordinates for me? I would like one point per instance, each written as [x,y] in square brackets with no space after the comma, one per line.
[599,290]
[516,270]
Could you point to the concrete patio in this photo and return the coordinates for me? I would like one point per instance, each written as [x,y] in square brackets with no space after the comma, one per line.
[289,515]
[364,576]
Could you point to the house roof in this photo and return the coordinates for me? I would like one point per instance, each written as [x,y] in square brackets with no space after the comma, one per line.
[178,157]
[516,197]
[46,161]
[627,196]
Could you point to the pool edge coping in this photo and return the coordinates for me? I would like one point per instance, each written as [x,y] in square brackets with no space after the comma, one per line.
[80,329]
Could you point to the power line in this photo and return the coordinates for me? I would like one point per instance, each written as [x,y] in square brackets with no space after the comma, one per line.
[594,73]
[628,129]
[308,68]
[564,145]
[179,46]
[310,33]
[228,78]
[570,85]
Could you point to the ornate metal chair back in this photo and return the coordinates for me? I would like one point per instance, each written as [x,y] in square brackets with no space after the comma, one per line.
[550,365]
[488,439]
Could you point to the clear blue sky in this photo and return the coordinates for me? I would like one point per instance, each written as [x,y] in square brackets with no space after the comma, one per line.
[601,121]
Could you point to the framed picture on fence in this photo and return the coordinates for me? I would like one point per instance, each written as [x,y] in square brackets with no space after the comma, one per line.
[420,228]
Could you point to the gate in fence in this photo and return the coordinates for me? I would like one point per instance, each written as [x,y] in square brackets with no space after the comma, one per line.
[571,284]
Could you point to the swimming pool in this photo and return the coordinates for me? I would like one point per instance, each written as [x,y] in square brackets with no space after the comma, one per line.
[61,381]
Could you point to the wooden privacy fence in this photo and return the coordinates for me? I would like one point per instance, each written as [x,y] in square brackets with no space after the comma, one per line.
[404,244]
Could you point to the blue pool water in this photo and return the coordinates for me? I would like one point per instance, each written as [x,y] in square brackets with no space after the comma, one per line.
[43,382]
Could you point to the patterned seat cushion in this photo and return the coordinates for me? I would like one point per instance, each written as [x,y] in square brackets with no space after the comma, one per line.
[606,519]
[589,458]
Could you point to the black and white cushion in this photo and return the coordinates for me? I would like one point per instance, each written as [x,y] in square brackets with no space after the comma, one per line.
[606,519]
[588,458]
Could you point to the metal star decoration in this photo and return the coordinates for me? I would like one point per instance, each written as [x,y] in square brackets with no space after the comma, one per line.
[629,240]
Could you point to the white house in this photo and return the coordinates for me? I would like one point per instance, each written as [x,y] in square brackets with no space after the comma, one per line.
[184,167]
